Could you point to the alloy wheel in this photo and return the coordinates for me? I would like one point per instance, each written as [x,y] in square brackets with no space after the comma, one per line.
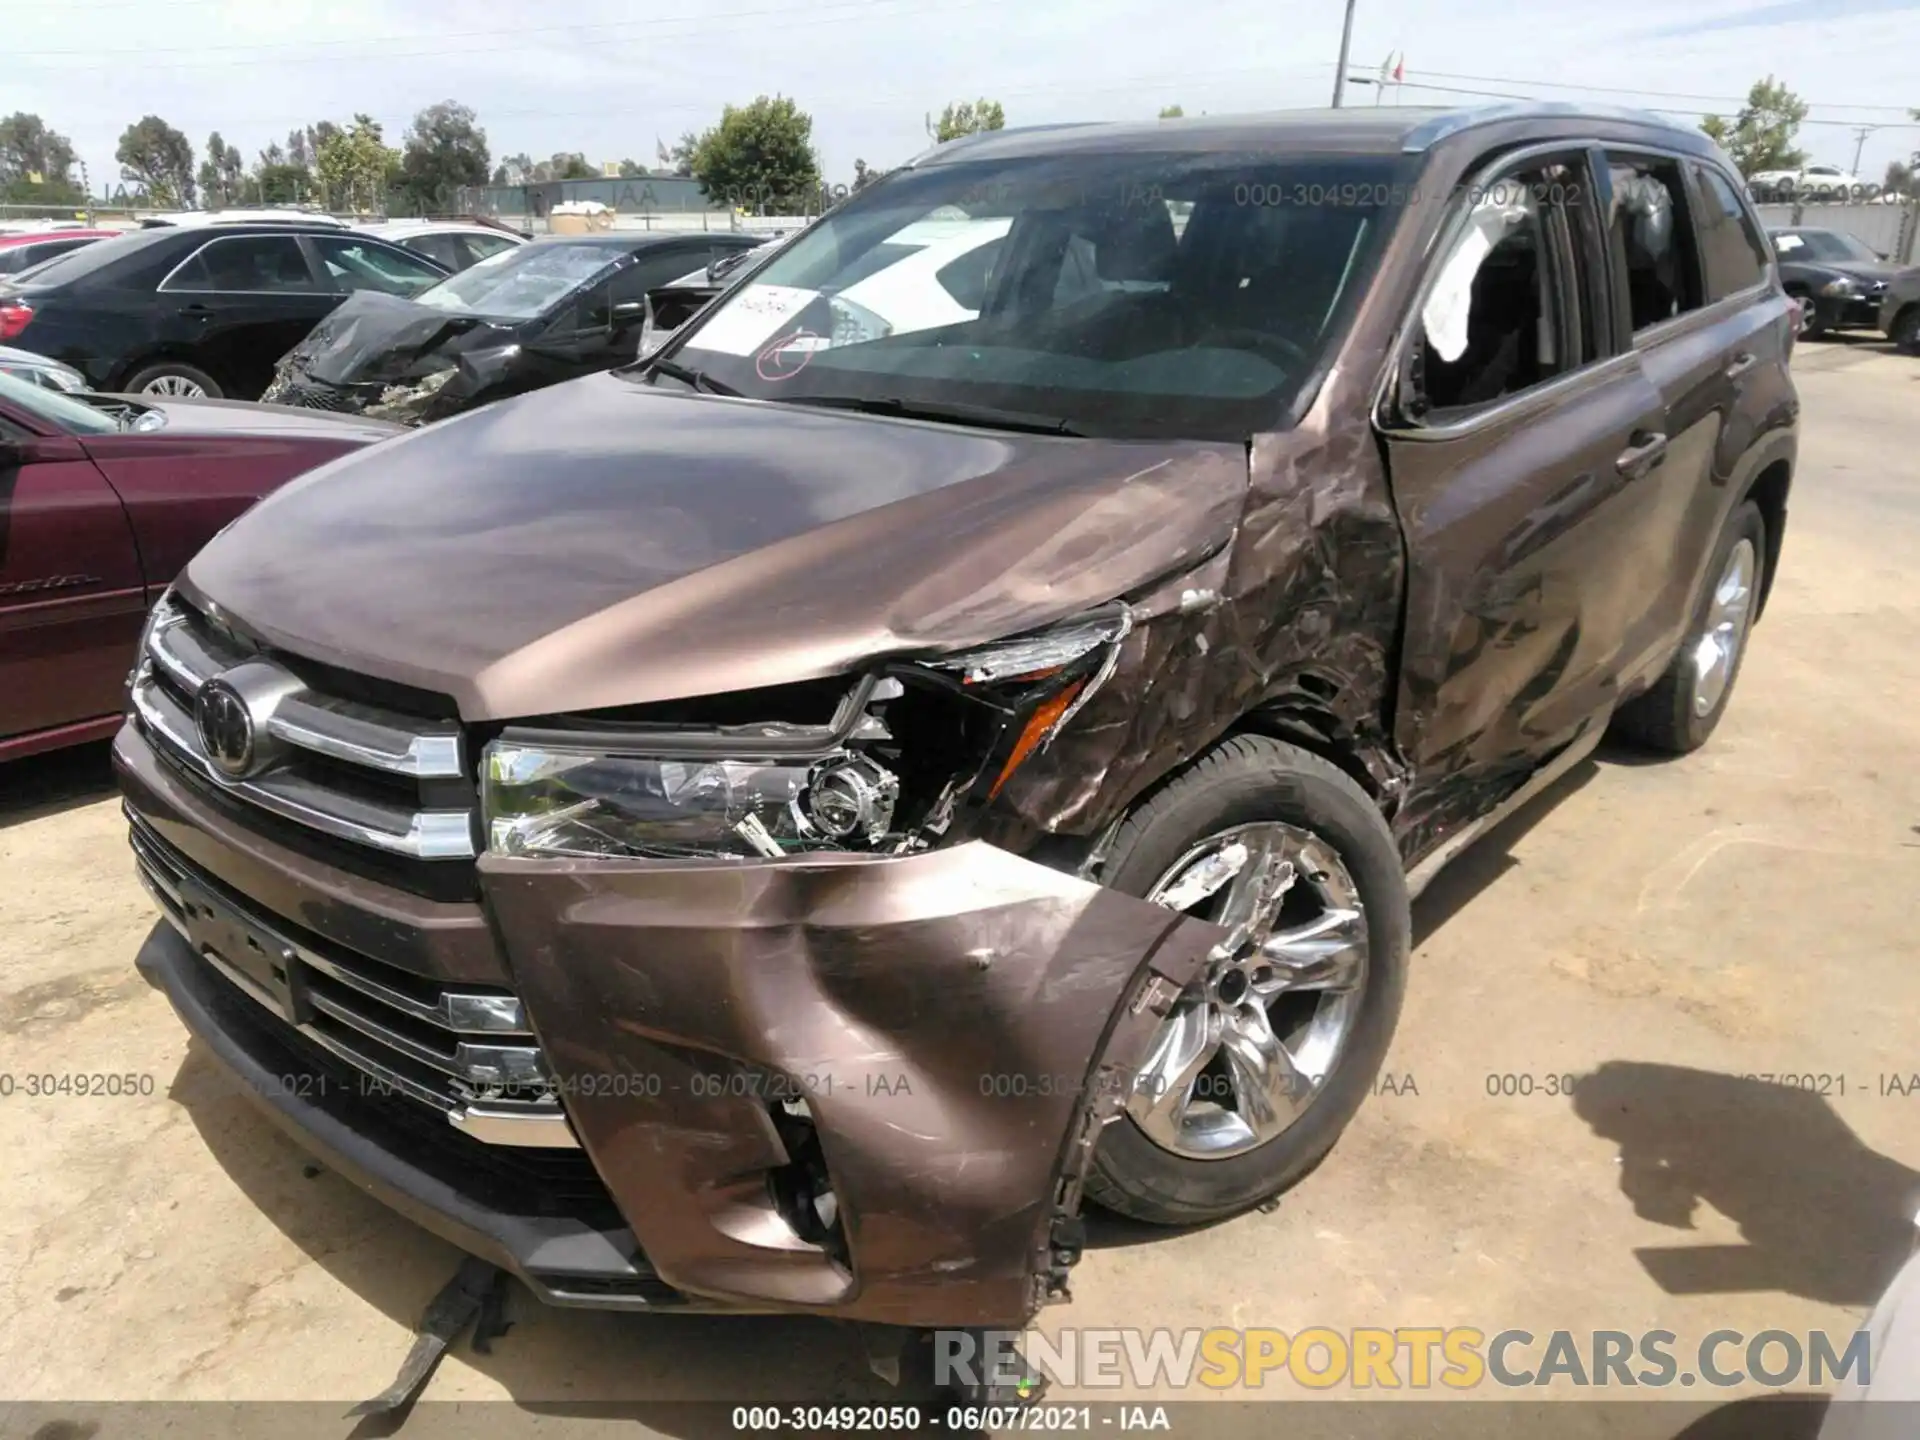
[1717,649]
[176,387]
[1242,1055]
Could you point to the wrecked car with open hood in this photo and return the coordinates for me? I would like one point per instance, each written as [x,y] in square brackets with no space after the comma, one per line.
[526,316]
[780,825]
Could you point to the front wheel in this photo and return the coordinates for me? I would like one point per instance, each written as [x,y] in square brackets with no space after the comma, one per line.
[1261,1063]
[1905,333]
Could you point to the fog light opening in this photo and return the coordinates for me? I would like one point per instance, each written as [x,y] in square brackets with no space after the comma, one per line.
[802,1189]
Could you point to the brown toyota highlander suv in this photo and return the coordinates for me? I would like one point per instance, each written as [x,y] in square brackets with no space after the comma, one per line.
[955,734]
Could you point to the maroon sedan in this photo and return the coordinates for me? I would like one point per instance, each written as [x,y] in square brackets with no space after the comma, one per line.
[102,502]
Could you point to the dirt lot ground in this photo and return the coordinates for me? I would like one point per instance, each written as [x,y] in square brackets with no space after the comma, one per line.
[1661,929]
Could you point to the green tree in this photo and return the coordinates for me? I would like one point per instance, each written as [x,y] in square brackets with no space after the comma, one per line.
[222,173]
[967,117]
[631,169]
[864,175]
[444,150]
[158,157]
[355,166]
[681,156]
[1171,112]
[1761,136]
[513,169]
[570,165]
[760,157]
[28,149]
[283,184]
[1899,179]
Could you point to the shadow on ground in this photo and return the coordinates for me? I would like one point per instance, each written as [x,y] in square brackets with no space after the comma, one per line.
[552,1361]
[42,785]
[1820,1214]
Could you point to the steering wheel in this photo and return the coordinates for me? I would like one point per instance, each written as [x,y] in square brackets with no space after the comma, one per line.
[1260,342]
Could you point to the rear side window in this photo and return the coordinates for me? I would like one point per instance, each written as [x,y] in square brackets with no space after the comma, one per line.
[443,248]
[479,247]
[1656,274]
[245,265]
[1732,252]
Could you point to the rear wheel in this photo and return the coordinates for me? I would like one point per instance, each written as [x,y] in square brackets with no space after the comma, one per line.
[1686,702]
[1811,325]
[171,380]
[1261,1063]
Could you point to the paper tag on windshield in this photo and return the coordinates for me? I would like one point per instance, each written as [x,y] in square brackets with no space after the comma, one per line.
[745,324]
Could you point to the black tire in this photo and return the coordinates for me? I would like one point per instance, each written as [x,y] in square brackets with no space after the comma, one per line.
[1245,780]
[1905,333]
[163,369]
[1812,327]
[1663,718]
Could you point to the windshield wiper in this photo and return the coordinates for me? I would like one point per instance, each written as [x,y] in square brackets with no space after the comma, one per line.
[697,379]
[949,411]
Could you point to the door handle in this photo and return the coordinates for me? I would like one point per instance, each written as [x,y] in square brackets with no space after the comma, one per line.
[1742,363]
[1647,450]
[197,312]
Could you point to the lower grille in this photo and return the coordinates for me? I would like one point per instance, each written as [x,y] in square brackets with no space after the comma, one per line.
[468,1053]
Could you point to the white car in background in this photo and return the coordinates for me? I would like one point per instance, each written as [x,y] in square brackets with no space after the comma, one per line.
[1815,182]
[454,244]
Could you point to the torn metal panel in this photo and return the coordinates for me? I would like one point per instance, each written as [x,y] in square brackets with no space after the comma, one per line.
[1302,610]
[939,1015]
[393,359]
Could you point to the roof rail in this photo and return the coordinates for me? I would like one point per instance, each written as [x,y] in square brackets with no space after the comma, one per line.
[962,142]
[1431,132]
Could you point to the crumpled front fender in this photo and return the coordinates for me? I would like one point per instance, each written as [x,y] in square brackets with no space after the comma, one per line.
[942,1014]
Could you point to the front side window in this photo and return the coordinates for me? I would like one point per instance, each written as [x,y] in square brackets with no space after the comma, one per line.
[1504,311]
[1117,294]
[246,265]
[1731,250]
[1653,241]
[364,265]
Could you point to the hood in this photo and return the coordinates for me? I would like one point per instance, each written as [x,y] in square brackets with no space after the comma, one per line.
[244,417]
[378,337]
[602,543]
[1864,270]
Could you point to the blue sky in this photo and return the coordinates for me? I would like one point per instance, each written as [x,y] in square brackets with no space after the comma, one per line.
[608,77]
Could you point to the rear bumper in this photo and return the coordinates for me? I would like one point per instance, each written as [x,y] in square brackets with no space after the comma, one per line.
[956,1022]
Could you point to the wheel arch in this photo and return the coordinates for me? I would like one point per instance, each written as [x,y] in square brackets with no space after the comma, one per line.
[1768,490]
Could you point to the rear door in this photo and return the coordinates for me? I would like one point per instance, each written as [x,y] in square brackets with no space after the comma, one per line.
[1519,442]
[71,598]
[1693,288]
[240,302]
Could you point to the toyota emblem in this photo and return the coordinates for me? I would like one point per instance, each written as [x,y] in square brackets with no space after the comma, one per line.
[225,724]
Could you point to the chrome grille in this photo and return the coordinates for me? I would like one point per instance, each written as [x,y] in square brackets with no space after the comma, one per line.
[467,1052]
[348,770]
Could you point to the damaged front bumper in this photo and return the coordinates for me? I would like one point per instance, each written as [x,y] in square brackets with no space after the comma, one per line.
[864,1086]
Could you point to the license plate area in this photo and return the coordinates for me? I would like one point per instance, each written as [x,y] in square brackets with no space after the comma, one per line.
[265,967]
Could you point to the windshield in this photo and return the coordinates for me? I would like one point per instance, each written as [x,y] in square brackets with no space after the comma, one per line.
[519,283]
[1820,245]
[62,412]
[1130,294]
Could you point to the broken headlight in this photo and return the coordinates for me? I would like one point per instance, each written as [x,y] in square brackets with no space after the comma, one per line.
[408,397]
[546,800]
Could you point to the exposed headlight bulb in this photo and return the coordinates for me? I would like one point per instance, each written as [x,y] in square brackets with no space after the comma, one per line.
[850,796]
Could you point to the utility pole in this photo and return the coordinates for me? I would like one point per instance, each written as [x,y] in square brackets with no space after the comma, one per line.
[1346,44]
[1860,134]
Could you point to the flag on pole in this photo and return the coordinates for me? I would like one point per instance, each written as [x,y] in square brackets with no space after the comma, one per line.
[660,149]
[1400,68]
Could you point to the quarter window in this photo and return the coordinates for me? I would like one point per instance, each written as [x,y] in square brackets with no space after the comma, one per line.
[1656,276]
[1732,251]
[246,264]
